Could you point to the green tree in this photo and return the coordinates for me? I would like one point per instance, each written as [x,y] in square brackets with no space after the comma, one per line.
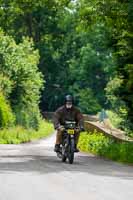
[116,18]
[20,79]
[83,45]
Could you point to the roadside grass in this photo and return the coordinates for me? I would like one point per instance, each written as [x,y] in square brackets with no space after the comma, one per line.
[19,134]
[101,145]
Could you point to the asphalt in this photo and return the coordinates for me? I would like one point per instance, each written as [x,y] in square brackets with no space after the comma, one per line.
[33,172]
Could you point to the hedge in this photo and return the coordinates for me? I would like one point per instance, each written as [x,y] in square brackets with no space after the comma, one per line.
[102,145]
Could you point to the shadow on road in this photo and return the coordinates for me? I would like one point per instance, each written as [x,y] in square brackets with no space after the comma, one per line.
[50,164]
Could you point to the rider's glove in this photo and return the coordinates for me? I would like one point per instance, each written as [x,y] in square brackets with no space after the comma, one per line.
[77,129]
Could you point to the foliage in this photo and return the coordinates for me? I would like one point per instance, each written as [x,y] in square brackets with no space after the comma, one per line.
[102,145]
[7,118]
[83,46]
[115,19]
[19,134]
[116,120]
[20,79]
[28,116]
[86,98]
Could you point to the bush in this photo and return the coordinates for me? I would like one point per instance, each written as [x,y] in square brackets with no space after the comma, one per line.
[7,118]
[19,134]
[102,145]
[20,79]
[28,117]
[115,119]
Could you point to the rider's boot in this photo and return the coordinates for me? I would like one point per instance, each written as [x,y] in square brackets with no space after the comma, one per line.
[76,150]
[57,148]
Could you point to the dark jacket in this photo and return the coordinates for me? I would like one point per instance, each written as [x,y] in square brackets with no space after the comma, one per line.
[62,114]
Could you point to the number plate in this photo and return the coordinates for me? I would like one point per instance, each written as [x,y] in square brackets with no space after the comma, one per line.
[70,131]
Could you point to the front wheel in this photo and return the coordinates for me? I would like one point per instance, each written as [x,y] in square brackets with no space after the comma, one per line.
[64,156]
[71,151]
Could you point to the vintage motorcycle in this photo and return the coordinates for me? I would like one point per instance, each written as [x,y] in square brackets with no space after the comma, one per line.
[67,147]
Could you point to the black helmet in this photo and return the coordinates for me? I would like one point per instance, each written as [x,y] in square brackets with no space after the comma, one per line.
[68,98]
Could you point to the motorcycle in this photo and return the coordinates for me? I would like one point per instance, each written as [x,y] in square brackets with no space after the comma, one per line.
[67,147]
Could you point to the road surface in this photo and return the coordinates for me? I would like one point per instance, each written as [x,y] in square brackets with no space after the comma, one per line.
[32,172]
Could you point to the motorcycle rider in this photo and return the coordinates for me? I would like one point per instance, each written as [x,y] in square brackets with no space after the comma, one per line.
[67,112]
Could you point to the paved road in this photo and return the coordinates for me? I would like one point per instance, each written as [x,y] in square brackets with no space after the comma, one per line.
[32,172]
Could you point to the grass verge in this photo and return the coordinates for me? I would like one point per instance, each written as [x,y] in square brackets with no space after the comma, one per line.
[19,134]
[99,144]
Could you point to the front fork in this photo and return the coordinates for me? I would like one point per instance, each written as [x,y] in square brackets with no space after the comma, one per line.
[72,143]
[68,144]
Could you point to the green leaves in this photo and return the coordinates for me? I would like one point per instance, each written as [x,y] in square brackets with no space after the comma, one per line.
[19,134]
[86,98]
[102,145]
[108,24]
[20,79]
[7,117]
[85,48]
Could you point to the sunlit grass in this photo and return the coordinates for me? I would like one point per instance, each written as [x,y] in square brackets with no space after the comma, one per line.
[99,144]
[19,134]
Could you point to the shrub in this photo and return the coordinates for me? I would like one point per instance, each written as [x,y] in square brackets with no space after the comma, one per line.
[28,117]
[102,145]
[20,79]
[7,118]
[115,119]
[19,134]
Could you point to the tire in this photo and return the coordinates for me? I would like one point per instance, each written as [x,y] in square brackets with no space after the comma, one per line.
[71,151]
[64,157]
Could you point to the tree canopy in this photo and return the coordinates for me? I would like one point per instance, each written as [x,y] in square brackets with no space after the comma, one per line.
[85,48]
